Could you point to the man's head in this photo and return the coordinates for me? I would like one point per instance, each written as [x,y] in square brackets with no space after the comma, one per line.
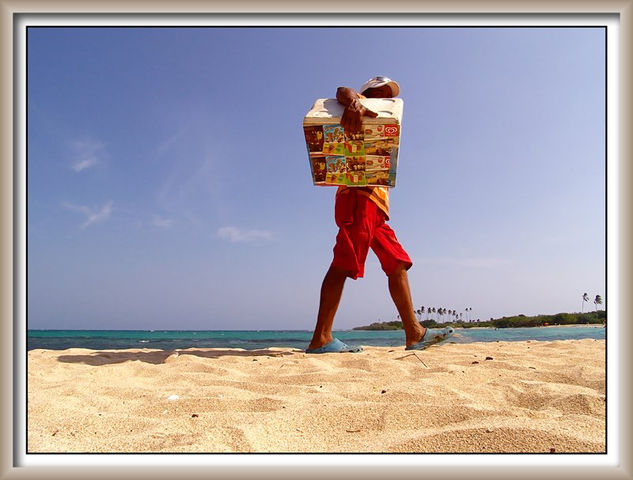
[380,87]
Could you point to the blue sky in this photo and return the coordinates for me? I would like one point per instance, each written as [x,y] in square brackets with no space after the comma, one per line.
[168,184]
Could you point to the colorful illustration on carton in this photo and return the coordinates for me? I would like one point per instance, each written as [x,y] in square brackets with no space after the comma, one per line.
[314,138]
[318,165]
[354,147]
[367,158]
[377,169]
[336,169]
[356,171]
[333,139]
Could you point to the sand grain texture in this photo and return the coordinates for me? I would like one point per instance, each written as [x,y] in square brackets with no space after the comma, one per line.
[539,397]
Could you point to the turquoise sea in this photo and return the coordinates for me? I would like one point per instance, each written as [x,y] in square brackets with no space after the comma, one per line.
[258,339]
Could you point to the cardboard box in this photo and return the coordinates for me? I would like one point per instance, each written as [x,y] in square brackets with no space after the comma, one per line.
[366,159]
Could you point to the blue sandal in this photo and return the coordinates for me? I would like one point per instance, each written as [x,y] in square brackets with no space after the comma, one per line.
[431,337]
[335,346]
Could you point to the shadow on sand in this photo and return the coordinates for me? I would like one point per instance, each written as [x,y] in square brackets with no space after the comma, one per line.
[157,357]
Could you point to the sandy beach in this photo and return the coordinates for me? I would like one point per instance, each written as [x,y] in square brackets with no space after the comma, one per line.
[480,397]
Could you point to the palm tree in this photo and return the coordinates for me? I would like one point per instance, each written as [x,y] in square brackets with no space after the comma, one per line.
[585,298]
[597,301]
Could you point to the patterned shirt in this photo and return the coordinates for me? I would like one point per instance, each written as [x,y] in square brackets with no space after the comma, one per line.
[378,195]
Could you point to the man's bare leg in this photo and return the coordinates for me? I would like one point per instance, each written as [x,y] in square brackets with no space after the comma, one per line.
[331,292]
[401,295]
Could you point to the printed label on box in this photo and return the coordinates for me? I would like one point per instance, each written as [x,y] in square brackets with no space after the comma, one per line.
[392,130]
[318,165]
[381,146]
[314,138]
[334,148]
[336,169]
[356,178]
[378,177]
[376,162]
[333,134]
[372,132]
[354,136]
[355,164]
[355,147]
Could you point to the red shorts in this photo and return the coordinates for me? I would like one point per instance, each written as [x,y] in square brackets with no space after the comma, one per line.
[361,226]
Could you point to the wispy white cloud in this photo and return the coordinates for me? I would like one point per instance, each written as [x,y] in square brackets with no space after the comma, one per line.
[237,235]
[86,154]
[92,215]
[169,142]
[161,222]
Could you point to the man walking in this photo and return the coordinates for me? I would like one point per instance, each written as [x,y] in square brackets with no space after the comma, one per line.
[361,214]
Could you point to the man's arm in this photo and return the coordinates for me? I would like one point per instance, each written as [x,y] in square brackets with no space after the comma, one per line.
[352,119]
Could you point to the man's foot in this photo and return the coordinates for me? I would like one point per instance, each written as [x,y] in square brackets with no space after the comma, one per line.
[335,346]
[431,337]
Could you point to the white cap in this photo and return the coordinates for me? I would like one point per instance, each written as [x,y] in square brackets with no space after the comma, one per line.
[379,82]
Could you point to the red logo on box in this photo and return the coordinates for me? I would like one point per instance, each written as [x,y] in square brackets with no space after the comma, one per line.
[391,130]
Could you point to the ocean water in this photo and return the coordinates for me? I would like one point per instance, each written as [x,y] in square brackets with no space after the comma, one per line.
[259,339]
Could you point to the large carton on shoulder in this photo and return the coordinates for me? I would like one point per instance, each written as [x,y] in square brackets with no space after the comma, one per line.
[369,158]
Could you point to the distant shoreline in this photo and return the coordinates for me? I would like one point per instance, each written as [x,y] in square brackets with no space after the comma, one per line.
[587,325]
[562,319]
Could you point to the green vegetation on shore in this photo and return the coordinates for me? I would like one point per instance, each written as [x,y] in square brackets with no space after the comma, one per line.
[598,317]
